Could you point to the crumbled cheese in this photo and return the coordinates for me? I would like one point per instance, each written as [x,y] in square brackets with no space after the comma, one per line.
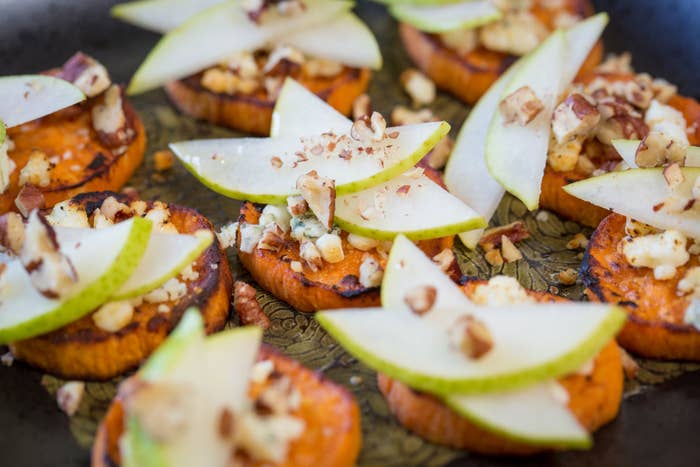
[159,214]
[296,266]
[690,284]
[37,172]
[331,247]
[172,290]
[283,52]
[310,254]
[189,273]
[7,165]
[261,371]
[7,359]
[138,207]
[69,397]
[109,117]
[267,438]
[692,313]
[68,214]
[564,157]
[227,235]
[100,221]
[275,214]
[163,308]
[220,81]
[323,68]
[306,226]
[113,316]
[244,64]
[500,290]
[517,33]
[667,120]
[371,273]
[362,243]
[663,252]
[111,207]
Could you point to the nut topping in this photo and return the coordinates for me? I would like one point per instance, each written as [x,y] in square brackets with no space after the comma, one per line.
[319,193]
[673,176]
[421,299]
[12,232]
[471,336]
[86,73]
[573,118]
[521,106]
[419,87]
[247,307]
[656,149]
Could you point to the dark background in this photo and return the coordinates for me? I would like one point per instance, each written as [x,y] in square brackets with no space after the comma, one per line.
[659,428]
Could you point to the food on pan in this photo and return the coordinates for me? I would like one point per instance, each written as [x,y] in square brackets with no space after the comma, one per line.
[503,144]
[92,145]
[465,46]
[94,286]
[245,50]
[646,256]
[336,192]
[483,373]
[227,400]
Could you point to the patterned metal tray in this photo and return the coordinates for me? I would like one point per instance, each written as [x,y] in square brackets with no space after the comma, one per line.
[656,424]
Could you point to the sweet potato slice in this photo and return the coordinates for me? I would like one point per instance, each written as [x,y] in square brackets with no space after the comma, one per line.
[81,161]
[81,350]
[655,326]
[468,76]
[332,436]
[594,399]
[252,113]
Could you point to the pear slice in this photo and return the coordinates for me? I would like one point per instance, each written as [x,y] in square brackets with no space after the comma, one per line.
[215,372]
[466,174]
[218,32]
[166,256]
[627,149]
[532,415]
[414,206]
[643,195]
[319,117]
[448,17]
[28,97]
[3,132]
[103,260]
[516,155]
[160,15]
[248,168]
[532,342]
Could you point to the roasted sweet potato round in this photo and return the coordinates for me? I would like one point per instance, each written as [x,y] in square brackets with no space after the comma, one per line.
[82,161]
[81,350]
[468,76]
[331,438]
[252,113]
[594,399]
[655,326]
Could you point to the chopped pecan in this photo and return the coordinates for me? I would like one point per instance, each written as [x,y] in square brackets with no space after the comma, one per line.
[492,238]
[86,73]
[361,106]
[656,149]
[421,299]
[247,307]
[12,232]
[29,199]
[673,175]
[574,117]
[471,336]
[419,87]
[521,106]
[509,251]
[319,193]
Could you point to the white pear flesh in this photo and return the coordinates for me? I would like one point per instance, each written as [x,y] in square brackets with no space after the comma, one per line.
[627,149]
[416,207]
[515,154]
[532,415]
[448,17]
[242,168]
[319,117]
[160,15]
[466,174]
[165,257]
[345,39]
[641,195]
[217,33]
[101,270]
[27,97]
[216,372]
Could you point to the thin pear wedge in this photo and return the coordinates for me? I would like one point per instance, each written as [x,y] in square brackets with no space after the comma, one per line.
[196,362]
[165,257]
[414,206]
[28,97]
[218,32]
[25,312]
[627,149]
[160,15]
[532,415]
[319,117]
[448,17]
[515,154]
[265,170]
[644,195]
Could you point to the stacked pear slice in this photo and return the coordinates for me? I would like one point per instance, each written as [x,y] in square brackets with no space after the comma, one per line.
[490,157]
[199,35]
[508,391]
[447,17]
[412,203]
[114,263]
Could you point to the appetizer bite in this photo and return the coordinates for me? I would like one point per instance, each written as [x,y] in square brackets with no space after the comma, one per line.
[227,400]
[90,289]
[334,193]
[646,256]
[465,46]
[492,368]
[93,145]
[226,63]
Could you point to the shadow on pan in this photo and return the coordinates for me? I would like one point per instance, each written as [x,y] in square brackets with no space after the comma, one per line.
[657,428]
